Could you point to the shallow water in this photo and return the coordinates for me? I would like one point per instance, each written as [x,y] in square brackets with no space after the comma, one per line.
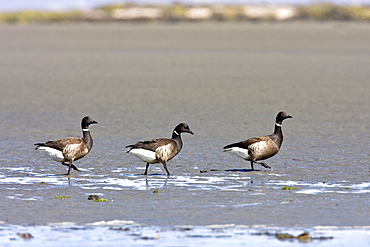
[227,81]
[133,234]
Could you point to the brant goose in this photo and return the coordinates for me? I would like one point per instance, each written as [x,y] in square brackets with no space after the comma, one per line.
[260,148]
[71,148]
[160,150]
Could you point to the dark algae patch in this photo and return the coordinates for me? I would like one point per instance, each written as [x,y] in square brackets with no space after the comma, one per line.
[62,197]
[93,197]
[101,200]
[96,198]
[25,236]
[303,237]
[288,188]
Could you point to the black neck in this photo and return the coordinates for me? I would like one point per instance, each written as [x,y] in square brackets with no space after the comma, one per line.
[87,137]
[177,138]
[278,133]
[277,129]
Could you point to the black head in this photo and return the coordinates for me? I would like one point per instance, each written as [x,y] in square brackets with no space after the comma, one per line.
[281,116]
[183,127]
[86,121]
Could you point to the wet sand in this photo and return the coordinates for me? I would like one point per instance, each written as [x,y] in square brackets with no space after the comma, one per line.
[227,81]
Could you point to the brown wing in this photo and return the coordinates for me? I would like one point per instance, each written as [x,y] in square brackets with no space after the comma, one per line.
[151,145]
[62,143]
[245,144]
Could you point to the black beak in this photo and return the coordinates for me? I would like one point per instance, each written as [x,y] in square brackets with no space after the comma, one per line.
[94,122]
[190,132]
[289,116]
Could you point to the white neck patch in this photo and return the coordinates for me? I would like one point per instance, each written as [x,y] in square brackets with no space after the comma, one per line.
[85,129]
[175,132]
[279,125]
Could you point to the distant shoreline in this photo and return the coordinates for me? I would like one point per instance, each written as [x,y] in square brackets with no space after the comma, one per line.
[193,13]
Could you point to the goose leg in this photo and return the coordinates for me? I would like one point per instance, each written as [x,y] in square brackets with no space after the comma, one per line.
[73,166]
[252,168]
[69,168]
[146,169]
[264,165]
[165,167]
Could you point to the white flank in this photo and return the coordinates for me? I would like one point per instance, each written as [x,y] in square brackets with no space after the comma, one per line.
[145,155]
[53,153]
[240,152]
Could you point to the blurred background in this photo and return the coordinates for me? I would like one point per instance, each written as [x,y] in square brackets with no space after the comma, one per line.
[24,11]
[57,5]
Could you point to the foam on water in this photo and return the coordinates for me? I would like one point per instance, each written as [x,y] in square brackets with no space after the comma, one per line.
[228,183]
[130,233]
[32,180]
[314,188]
